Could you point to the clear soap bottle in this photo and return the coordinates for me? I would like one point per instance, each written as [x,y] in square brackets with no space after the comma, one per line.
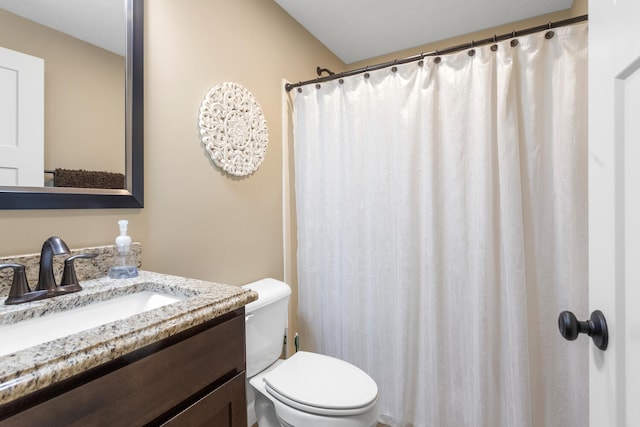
[125,266]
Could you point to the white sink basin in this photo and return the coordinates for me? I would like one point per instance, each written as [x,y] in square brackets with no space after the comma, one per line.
[27,333]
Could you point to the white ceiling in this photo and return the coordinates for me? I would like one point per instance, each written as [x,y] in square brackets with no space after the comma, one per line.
[99,22]
[355,30]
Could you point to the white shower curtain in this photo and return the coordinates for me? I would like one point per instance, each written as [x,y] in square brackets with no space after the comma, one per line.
[442,227]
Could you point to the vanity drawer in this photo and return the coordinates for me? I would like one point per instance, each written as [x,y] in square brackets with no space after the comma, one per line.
[149,385]
[223,407]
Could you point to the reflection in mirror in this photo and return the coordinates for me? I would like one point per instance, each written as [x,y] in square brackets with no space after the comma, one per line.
[82,46]
[86,142]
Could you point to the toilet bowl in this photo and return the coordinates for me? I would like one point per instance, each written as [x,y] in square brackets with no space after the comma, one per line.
[307,389]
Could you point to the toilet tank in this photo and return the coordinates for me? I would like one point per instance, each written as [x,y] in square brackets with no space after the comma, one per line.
[265,323]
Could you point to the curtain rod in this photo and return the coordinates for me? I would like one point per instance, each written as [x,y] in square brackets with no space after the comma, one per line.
[438,52]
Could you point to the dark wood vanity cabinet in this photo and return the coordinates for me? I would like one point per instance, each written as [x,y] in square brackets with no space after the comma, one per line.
[194,378]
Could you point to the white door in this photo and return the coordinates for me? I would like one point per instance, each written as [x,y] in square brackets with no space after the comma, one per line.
[21,119]
[614,208]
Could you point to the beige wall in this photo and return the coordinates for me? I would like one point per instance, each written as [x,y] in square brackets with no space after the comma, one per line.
[84,96]
[199,221]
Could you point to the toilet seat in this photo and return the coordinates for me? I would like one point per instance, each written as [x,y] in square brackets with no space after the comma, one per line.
[321,385]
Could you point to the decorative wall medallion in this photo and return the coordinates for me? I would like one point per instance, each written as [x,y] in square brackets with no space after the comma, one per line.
[233,129]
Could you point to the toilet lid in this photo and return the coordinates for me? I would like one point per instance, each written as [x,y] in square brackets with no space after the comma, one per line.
[321,385]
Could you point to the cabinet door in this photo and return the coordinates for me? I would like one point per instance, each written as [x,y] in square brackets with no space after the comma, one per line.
[223,407]
[144,389]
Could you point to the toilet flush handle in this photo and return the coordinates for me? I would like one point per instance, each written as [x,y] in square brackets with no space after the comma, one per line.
[248,317]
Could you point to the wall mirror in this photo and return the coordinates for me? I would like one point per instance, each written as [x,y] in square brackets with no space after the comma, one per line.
[127,119]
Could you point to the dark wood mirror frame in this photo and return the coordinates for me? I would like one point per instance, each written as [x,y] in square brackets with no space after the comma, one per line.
[79,198]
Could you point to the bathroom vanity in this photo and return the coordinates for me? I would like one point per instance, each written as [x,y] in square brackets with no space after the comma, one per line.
[179,364]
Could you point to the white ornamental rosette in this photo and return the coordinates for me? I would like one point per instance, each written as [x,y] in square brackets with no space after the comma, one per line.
[233,129]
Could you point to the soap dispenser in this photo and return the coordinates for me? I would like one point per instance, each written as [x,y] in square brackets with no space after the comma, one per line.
[125,266]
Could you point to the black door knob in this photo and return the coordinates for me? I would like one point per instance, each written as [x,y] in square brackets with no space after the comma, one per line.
[595,327]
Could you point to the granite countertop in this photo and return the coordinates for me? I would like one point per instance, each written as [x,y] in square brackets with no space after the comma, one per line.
[36,367]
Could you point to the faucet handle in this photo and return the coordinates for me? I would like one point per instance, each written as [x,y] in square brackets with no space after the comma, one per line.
[70,282]
[20,291]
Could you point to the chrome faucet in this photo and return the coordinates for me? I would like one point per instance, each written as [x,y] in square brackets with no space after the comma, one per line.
[46,280]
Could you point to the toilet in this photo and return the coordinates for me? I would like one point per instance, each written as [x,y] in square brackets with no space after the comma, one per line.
[307,389]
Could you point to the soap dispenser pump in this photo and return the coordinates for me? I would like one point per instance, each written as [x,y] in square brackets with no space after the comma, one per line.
[125,266]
